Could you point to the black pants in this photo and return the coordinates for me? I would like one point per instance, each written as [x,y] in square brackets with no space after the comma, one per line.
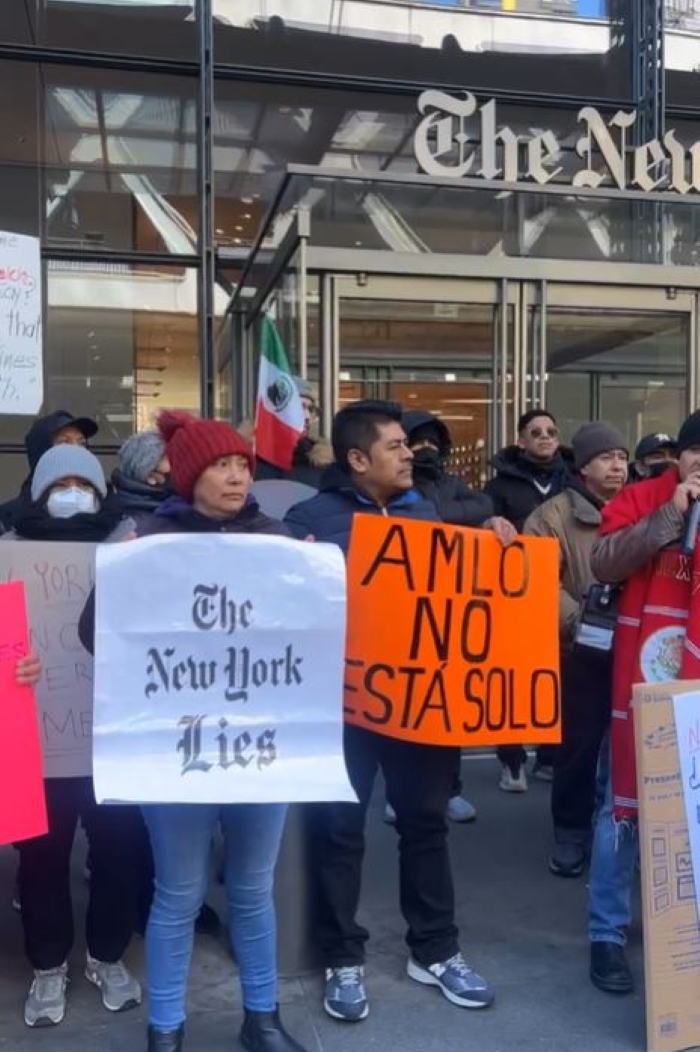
[586,697]
[44,876]
[515,756]
[419,782]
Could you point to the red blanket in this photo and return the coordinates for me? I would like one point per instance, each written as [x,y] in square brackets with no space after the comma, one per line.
[658,629]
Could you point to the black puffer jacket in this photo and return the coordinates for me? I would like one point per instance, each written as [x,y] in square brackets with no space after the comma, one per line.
[454,500]
[521,485]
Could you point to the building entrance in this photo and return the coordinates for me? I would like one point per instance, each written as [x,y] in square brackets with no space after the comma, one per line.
[475,339]
[479,353]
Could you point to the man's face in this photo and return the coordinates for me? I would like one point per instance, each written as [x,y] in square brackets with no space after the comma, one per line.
[654,462]
[387,468]
[689,462]
[69,436]
[606,474]
[309,407]
[540,439]
[425,443]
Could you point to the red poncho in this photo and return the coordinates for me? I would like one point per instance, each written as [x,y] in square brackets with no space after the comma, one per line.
[658,628]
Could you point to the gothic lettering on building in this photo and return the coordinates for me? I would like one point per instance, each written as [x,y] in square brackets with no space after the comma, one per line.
[459,138]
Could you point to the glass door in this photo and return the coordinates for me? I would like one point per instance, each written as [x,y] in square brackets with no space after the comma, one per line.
[620,354]
[441,345]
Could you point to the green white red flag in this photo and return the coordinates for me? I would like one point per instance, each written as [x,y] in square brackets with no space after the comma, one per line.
[279,415]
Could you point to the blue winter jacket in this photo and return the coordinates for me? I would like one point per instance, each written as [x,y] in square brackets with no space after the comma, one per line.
[328,516]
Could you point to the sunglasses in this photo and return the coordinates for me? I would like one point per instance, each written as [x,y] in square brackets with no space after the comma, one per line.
[544,432]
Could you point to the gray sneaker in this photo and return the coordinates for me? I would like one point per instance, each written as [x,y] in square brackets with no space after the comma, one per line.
[344,996]
[46,1000]
[458,982]
[120,991]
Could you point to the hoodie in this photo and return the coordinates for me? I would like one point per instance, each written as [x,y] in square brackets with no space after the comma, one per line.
[37,441]
[455,502]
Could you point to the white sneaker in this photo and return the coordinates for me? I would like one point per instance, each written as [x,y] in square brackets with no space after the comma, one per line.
[389,815]
[460,810]
[513,783]
[46,1000]
[120,991]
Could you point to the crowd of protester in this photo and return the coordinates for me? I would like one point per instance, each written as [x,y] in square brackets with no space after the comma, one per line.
[148,867]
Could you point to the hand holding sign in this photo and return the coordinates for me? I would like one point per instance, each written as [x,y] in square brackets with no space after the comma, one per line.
[28,671]
[452,637]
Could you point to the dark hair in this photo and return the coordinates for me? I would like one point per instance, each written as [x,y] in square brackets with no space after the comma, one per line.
[531,414]
[355,426]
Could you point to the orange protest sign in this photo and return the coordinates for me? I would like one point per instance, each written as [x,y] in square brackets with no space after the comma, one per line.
[452,639]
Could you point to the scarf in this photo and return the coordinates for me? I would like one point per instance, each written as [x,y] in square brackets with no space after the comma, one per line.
[139,496]
[657,637]
[34,523]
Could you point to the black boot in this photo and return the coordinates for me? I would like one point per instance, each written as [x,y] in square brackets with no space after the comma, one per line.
[609,968]
[165,1040]
[263,1032]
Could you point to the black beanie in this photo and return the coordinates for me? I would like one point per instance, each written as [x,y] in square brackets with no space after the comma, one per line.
[689,434]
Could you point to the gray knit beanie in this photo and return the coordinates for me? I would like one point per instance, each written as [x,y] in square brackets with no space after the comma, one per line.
[140,454]
[67,461]
[593,439]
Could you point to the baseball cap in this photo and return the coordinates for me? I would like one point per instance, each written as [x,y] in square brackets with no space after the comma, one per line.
[653,443]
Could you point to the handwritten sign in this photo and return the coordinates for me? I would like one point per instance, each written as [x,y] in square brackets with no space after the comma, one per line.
[686,709]
[218,670]
[21,328]
[57,579]
[22,803]
[452,639]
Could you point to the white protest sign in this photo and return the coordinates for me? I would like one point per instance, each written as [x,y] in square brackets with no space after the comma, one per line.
[21,329]
[686,710]
[219,670]
[57,579]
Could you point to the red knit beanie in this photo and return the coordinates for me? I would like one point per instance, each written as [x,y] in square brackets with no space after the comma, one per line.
[193,444]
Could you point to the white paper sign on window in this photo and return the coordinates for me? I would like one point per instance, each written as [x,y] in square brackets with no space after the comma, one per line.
[219,670]
[21,325]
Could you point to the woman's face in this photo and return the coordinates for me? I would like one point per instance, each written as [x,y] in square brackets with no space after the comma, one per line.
[221,490]
[72,496]
[161,472]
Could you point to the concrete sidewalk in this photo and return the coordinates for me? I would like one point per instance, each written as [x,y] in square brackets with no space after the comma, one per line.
[521,927]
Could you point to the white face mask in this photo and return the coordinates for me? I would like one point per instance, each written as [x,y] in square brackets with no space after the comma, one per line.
[64,503]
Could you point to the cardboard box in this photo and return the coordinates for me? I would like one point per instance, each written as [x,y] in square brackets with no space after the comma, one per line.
[671,929]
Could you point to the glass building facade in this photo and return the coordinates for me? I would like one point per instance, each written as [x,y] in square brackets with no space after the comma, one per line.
[472,206]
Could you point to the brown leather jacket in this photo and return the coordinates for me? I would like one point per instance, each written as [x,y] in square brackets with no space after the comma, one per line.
[618,555]
[572,518]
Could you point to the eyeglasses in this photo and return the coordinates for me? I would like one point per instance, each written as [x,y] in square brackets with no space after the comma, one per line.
[544,432]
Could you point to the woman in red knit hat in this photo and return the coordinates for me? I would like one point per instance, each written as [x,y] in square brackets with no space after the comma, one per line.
[210,471]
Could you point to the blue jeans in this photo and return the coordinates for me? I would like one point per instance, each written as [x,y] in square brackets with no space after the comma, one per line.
[181,837]
[613,865]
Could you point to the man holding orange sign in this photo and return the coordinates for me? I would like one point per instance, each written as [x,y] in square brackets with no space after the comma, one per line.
[416,670]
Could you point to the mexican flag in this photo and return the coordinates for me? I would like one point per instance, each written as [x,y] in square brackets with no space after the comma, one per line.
[279,416]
